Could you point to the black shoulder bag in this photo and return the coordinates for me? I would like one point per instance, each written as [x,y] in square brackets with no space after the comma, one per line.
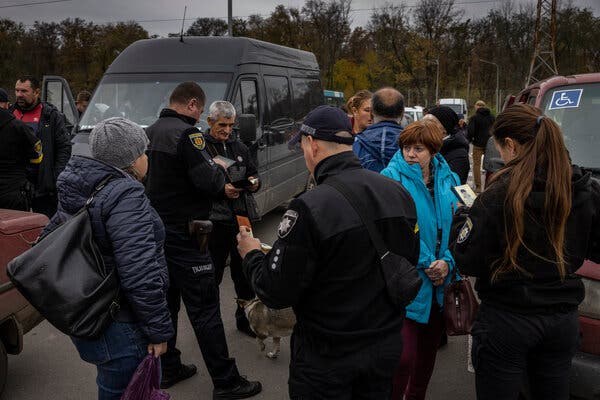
[64,277]
[401,278]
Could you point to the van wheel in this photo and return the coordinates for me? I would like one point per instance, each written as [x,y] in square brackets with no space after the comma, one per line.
[3,367]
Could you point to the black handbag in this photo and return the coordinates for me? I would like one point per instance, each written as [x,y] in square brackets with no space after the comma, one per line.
[63,276]
[402,281]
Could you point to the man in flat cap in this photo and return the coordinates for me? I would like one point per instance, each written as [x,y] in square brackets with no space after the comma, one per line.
[347,341]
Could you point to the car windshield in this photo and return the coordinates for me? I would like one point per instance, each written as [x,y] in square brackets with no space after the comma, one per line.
[576,108]
[141,97]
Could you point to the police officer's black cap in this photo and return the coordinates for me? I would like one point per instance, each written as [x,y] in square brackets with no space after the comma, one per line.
[326,123]
[3,96]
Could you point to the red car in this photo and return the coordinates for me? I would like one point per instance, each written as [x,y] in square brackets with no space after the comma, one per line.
[18,230]
[574,103]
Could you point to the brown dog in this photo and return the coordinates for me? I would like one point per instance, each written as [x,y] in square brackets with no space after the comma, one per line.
[267,322]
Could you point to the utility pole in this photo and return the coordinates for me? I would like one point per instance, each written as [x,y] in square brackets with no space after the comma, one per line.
[230,18]
[437,77]
[543,62]
[497,82]
[468,85]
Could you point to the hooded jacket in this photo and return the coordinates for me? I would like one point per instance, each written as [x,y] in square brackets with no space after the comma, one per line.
[377,144]
[130,236]
[432,214]
[455,149]
[479,127]
[481,243]
[56,142]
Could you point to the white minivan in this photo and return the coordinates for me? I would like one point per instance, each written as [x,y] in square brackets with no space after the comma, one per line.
[458,105]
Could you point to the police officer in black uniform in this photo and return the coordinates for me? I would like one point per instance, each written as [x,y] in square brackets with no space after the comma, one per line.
[182,180]
[18,148]
[347,341]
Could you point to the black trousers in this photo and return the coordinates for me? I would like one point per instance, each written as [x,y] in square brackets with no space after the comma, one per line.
[365,374]
[192,279]
[510,347]
[223,244]
[46,205]
[14,201]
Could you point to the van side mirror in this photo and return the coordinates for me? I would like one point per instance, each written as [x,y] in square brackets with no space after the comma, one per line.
[247,128]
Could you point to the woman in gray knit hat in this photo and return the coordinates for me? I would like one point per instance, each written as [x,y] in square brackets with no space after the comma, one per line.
[130,236]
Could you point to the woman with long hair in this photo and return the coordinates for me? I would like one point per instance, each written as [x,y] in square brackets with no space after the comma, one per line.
[359,108]
[422,170]
[525,236]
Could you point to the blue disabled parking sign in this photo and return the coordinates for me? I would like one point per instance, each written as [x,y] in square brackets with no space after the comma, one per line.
[566,99]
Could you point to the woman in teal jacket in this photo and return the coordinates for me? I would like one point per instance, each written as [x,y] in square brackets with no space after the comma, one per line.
[426,175]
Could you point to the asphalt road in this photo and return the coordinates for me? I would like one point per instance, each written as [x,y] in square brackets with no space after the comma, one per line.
[49,367]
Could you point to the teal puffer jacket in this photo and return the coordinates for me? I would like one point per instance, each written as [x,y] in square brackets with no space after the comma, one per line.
[431,216]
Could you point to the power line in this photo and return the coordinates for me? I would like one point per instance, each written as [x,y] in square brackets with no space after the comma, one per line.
[466,2]
[35,4]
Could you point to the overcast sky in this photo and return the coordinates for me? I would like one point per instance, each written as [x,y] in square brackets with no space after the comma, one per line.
[160,16]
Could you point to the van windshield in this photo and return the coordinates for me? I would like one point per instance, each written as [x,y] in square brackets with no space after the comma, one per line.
[576,108]
[141,97]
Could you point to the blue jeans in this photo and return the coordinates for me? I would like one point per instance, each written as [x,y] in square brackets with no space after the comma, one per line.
[116,354]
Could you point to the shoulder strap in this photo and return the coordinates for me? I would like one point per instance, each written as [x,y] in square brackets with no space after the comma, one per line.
[99,187]
[362,212]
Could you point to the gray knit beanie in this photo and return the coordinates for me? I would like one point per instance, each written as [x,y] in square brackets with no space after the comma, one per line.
[118,142]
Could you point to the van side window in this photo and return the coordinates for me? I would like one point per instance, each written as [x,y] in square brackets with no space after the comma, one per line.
[306,96]
[278,97]
[246,99]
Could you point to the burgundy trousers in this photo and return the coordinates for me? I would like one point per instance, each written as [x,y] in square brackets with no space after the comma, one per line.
[420,343]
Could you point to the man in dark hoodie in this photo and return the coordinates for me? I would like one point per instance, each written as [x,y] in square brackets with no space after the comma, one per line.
[19,148]
[378,143]
[48,125]
[455,147]
[478,134]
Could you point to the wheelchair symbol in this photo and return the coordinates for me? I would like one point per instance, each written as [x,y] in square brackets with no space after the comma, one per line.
[563,100]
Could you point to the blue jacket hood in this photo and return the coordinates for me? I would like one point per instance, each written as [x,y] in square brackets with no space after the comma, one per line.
[377,144]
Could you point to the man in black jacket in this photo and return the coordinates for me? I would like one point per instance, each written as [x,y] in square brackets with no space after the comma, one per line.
[347,340]
[48,125]
[478,134]
[18,148]
[182,182]
[243,174]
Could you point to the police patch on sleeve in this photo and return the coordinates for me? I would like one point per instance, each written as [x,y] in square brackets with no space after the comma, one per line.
[287,223]
[197,140]
[465,231]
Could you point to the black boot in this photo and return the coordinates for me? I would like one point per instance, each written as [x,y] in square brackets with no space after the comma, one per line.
[242,389]
[185,372]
